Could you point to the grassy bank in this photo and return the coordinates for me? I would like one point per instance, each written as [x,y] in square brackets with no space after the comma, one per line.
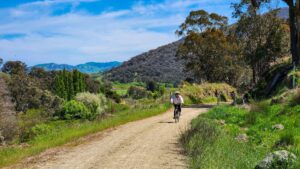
[205,93]
[62,132]
[213,145]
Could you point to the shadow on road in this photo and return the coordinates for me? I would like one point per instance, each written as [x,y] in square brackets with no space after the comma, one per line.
[167,122]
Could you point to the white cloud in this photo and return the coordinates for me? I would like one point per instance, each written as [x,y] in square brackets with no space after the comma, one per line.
[78,37]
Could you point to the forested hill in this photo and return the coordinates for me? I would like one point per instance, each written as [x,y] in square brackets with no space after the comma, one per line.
[90,67]
[160,64]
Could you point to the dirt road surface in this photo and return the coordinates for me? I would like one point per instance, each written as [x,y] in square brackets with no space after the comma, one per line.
[146,144]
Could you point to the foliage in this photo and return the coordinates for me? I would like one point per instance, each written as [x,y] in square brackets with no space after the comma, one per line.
[205,93]
[137,92]
[75,110]
[27,120]
[14,67]
[27,95]
[107,88]
[151,86]
[41,78]
[245,7]
[96,103]
[8,122]
[210,147]
[257,124]
[68,84]
[41,129]
[264,43]
[210,53]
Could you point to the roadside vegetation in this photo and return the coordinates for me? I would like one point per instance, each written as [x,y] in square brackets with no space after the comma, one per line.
[206,93]
[41,110]
[254,56]
[235,137]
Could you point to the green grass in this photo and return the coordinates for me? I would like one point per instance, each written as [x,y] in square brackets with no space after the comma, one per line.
[66,131]
[221,150]
[205,93]
[122,88]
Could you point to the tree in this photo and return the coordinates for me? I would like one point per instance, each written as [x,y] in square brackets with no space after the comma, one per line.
[263,40]
[294,21]
[210,52]
[1,61]
[67,84]
[44,79]
[14,67]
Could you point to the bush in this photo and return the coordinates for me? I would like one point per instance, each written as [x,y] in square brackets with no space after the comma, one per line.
[40,129]
[29,119]
[75,110]
[151,86]
[137,92]
[96,103]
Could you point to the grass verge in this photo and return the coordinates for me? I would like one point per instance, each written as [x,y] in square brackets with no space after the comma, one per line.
[213,145]
[63,132]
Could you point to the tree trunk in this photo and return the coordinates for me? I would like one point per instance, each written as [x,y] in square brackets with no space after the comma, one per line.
[297,22]
[293,33]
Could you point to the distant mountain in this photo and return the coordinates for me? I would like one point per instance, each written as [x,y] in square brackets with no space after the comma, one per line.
[90,67]
[160,65]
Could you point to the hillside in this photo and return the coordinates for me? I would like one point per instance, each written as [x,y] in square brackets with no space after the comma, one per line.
[159,64]
[90,67]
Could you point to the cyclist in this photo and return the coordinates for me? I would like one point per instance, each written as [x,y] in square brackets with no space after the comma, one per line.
[177,101]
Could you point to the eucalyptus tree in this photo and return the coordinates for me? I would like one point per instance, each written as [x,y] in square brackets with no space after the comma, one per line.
[209,50]
[294,21]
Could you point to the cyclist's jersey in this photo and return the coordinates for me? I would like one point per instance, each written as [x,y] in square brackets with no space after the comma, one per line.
[175,100]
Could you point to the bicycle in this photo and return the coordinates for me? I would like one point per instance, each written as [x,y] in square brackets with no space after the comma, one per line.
[176,114]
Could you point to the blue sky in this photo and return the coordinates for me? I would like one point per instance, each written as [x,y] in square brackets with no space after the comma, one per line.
[78,31]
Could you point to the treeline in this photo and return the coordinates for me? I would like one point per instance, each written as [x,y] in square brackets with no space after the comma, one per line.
[68,84]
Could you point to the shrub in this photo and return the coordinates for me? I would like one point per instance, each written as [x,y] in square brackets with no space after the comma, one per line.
[151,86]
[96,103]
[75,110]
[40,129]
[29,119]
[137,92]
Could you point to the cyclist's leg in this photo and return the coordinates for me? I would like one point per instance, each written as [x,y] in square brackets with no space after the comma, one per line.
[174,111]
